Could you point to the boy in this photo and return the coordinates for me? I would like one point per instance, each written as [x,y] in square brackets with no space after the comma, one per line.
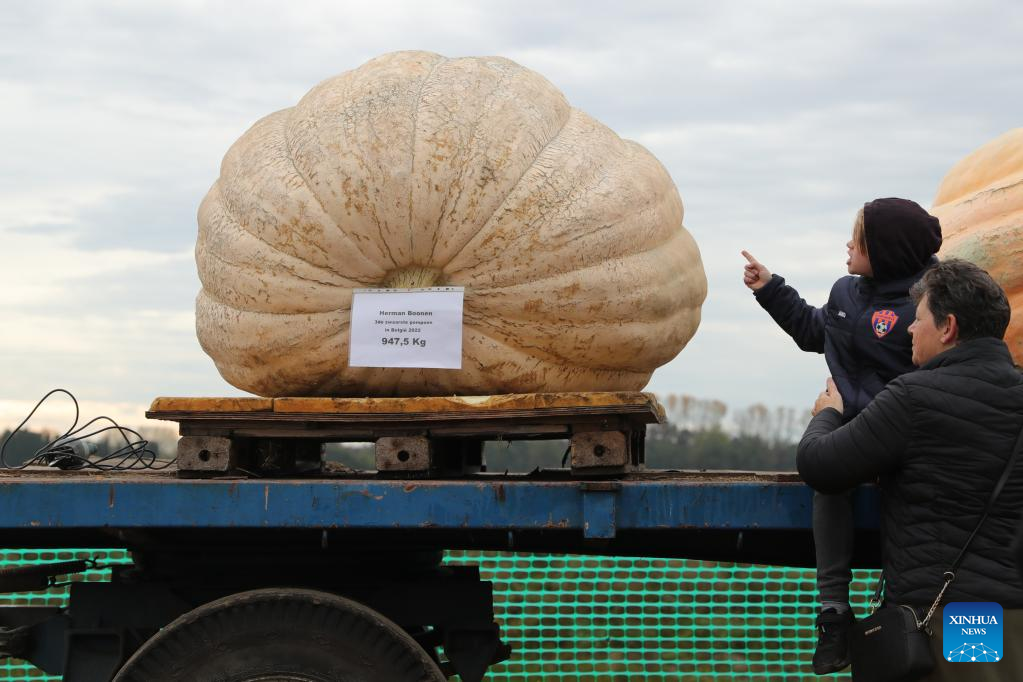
[862,332]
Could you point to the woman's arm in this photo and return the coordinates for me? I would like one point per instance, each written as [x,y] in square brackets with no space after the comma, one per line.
[833,458]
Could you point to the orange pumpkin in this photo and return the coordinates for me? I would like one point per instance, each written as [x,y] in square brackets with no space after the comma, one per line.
[980,205]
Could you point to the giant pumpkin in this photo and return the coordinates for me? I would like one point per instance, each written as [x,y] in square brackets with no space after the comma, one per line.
[416,170]
[980,205]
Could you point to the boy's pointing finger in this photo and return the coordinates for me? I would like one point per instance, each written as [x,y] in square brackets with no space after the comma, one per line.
[749,257]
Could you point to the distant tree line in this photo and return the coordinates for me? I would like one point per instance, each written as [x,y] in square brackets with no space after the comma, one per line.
[698,435]
[23,445]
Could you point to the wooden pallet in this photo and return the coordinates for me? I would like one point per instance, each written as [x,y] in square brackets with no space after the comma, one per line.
[420,436]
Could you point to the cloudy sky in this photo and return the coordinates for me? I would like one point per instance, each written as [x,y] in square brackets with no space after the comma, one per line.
[777,120]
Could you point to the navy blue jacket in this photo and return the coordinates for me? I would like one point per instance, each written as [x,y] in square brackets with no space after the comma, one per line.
[862,331]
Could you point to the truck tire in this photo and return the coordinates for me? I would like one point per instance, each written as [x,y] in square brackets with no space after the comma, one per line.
[281,635]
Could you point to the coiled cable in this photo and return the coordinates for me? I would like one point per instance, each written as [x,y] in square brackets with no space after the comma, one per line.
[71,450]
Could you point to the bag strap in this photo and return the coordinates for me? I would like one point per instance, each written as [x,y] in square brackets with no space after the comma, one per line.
[990,502]
[950,574]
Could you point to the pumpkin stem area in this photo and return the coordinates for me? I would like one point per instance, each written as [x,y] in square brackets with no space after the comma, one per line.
[412,277]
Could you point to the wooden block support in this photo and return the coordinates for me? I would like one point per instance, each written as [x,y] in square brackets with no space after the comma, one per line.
[599,450]
[206,453]
[403,453]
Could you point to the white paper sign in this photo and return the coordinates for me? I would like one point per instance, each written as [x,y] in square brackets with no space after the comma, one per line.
[407,328]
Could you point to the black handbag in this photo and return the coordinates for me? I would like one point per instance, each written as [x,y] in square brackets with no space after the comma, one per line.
[892,644]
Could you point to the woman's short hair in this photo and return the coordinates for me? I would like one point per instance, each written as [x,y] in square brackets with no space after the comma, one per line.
[958,287]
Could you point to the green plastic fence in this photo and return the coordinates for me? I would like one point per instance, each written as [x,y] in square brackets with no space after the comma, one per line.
[11,669]
[603,618]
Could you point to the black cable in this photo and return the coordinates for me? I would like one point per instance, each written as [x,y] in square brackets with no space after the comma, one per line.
[60,453]
[3,448]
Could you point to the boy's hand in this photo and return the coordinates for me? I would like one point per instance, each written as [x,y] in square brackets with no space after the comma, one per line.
[829,397]
[754,275]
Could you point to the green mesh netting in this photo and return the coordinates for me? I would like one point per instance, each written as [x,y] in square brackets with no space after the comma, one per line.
[613,618]
[11,669]
[603,618]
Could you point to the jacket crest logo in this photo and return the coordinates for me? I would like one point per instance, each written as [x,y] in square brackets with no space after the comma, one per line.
[883,321]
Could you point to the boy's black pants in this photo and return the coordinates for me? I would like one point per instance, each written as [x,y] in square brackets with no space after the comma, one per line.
[833,532]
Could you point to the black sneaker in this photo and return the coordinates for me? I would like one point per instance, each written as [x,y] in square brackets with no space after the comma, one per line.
[832,652]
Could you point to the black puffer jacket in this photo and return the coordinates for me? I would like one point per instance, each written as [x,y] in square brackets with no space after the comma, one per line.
[1017,550]
[939,439]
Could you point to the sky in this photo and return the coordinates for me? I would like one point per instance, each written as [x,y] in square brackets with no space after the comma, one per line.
[776,120]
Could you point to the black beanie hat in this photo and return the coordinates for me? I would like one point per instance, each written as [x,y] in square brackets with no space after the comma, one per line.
[901,237]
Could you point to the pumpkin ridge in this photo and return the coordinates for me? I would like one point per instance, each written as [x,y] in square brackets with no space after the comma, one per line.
[412,151]
[289,152]
[624,257]
[511,189]
[526,315]
[627,154]
[980,194]
[994,161]
[283,372]
[316,318]
[300,313]
[643,356]
[243,190]
[209,253]
[223,190]
[461,186]
[983,222]
[616,374]
[482,288]
[546,355]
[285,254]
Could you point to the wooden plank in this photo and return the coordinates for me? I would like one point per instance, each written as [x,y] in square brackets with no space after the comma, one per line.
[564,407]
[323,425]
[514,402]
[370,432]
[210,405]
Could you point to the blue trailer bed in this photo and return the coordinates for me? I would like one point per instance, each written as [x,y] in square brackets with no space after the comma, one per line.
[765,517]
